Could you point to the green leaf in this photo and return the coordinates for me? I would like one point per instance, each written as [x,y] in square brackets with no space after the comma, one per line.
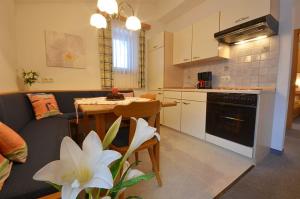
[57,187]
[134,197]
[115,168]
[131,182]
[111,133]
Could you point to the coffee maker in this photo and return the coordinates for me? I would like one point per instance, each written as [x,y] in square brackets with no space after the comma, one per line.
[204,80]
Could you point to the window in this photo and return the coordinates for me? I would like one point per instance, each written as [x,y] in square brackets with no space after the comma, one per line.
[125,56]
[125,48]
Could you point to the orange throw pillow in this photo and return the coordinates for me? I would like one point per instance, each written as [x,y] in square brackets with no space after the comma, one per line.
[5,168]
[12,145]
[44,105]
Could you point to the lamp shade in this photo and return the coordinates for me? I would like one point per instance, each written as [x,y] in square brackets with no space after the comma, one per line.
[98,21]
[108,6]
[133,23]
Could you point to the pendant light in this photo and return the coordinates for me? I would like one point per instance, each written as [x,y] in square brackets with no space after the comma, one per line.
[97,20]
[108,6]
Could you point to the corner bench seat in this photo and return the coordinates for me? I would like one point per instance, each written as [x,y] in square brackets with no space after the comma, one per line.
[43,138]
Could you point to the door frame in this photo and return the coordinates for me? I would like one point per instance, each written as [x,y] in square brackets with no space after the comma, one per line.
[293,78]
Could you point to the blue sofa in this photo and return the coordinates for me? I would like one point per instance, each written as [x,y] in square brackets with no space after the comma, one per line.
[43,138]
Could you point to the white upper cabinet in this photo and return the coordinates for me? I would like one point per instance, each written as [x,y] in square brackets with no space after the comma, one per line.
[157,41]
[237,12]
[182,49]
[204,44]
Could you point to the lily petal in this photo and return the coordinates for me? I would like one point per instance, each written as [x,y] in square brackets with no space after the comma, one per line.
[133,173]
[52,172]
[103,177]
[108,156]
[112,132]
[70,152]
[68,193]
[92,144]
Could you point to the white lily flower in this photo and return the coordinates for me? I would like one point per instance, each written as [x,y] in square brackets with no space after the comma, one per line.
[143,133]
[132,173]
[80,169]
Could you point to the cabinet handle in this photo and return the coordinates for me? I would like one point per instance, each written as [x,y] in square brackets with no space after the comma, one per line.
[196,57]
[185,103]
[186,59]
[177,102]
[160,93]
[241,19]
[159,88]
[155,46]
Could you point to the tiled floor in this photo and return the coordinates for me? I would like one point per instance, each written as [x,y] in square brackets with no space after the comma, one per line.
[190,169]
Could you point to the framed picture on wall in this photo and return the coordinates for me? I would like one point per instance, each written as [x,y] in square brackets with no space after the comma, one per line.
[64,50]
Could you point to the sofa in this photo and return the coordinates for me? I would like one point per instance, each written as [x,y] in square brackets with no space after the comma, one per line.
[43,138]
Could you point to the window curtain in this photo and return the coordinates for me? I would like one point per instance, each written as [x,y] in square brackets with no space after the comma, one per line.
[125,56]
[105,54]
[142,59]
[132,78]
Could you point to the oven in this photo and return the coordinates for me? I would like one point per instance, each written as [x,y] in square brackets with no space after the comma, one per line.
[231,116]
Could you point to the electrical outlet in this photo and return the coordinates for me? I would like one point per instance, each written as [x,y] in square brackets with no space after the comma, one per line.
[226,78]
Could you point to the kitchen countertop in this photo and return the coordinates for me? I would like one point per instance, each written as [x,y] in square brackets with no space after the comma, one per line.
[224,90]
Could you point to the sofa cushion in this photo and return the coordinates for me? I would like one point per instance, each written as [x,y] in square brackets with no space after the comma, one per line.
[5,168]
[65,100]
[12,145]
[15,110]
[71,116]
[100,93]
[43,138]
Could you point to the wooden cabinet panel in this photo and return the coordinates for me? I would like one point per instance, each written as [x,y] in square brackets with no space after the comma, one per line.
[240,11]
[172,115]
[157,41]
[193,118]
[204,44]
[182,46]
[156,69]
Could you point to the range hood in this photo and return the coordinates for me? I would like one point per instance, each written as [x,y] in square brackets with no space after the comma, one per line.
[257,28]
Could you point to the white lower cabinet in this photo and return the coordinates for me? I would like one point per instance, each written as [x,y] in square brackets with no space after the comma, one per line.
[172,115]
[193,116]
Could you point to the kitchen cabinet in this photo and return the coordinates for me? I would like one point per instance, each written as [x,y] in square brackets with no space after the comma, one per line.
[204,44]
[197,42]
[172,115]
[236,12]
[161,73]
[182,52]
[193,116]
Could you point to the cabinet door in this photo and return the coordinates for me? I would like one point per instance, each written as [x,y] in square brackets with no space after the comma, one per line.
[193,118]
[156,69]
[172,114]
[204,44]
[236,12]
[157,41]
[182,46]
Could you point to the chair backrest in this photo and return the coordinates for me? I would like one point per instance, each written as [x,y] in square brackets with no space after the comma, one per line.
[147,110]
[151,96]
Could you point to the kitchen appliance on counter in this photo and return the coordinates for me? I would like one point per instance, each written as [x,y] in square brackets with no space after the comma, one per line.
[232,117]
[204,80]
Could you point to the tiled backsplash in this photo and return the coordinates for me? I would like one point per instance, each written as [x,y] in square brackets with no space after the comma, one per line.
[252,64]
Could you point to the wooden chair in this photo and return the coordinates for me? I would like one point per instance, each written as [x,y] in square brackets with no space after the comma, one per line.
[151,96]
[150,112]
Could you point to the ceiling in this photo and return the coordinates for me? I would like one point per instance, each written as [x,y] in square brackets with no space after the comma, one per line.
[149,11]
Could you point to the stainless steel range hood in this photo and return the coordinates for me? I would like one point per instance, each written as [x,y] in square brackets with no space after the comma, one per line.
[260,27]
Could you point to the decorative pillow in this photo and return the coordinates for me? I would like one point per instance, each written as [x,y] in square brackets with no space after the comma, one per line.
[44,105]
[5,167]
[12,145]
[130,94]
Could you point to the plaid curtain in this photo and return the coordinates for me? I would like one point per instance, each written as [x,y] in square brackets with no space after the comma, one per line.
[142,59]
[105,53]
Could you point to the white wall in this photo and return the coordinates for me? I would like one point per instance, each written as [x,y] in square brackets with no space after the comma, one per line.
[8,76]
[33,19]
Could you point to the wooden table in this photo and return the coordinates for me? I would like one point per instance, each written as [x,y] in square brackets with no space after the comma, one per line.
[100,112]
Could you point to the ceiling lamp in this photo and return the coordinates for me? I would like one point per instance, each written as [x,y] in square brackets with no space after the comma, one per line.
[97,20]
[108,6]
[114,12]
[133,23]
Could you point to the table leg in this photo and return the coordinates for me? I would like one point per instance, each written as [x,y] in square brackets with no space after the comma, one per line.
[100,125]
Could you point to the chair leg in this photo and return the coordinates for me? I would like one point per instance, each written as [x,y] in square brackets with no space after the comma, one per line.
[136,154]
[157,155]
[154,166]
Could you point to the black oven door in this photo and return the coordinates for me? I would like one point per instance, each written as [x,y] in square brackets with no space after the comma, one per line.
[231,122]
